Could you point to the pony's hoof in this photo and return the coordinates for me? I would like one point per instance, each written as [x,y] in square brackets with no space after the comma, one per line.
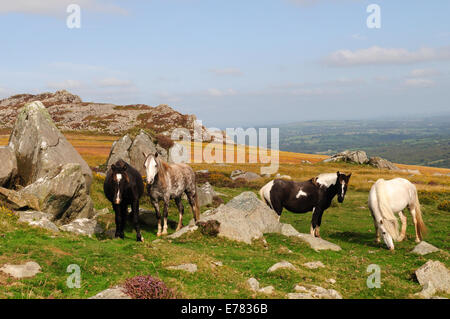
[158,234]
[164,233]
[417,240]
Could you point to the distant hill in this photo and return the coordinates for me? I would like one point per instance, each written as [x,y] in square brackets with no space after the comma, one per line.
[424,141]
[70,113]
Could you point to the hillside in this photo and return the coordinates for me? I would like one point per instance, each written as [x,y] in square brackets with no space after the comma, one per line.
[70,113]
[418,141]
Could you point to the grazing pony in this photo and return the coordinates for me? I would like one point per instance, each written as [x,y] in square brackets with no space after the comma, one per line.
[389,197]
[124,186]
[169,181]
[313,195]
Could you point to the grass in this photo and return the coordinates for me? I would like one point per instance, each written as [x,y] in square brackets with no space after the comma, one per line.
[107,262]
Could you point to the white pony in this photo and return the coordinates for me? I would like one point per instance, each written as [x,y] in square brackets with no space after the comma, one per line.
[389,197]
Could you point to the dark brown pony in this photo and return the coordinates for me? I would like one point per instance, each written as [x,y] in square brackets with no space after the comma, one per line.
[169,181]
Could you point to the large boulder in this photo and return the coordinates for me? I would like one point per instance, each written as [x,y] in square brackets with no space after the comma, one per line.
[119,150]
[382,163]
[61,193]
[39,146]
[205,194]
[8,168]
[358,157]
[244,218]
[132,151]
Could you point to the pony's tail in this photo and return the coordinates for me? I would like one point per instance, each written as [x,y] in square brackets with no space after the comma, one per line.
[389,219]
[421,228]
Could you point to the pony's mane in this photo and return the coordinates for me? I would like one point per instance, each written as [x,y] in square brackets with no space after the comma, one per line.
[326,179]
[163,167]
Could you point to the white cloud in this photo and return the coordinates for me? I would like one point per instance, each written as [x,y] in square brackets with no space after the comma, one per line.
[419,83]
[219,93]
[378,55]
[114,82]
[66,84]
[57,7]
[424,73]
[227,71]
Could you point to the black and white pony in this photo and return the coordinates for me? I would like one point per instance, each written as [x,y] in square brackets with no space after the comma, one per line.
[166,181]
[313,195]
[124,186]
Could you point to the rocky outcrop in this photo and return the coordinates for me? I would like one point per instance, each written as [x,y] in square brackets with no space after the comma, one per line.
[358,157]
[38,219]
[424,248]
[40,147]
[70,113]
[246,176]
[8,168]
[132,151]
[382,163]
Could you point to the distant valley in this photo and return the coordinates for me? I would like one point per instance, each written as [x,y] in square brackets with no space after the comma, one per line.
[422,141]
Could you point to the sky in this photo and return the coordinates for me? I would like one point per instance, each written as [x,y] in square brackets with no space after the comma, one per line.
[235,63]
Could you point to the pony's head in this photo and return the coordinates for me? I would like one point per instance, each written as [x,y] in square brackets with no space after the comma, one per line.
[342,184]
[120,180]
[389,241]
[151,167]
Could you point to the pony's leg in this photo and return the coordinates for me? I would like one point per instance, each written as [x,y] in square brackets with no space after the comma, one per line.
[166,213]
[315,222]
[413,214]
[404,223]
[123,215]
[277,207]
[377,231]
[135,212]
[191,200]
[118,218]
[180,212]
[155,204]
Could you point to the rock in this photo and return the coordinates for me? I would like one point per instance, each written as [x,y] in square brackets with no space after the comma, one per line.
[101,212]
[246,176]
[281,265]
[142,143]
[185,267]
[83,226]
[318,243]
[205,194]
[314,292]
[428,291]
[132,151]
[253,284]
[61,193]
[179,153]
[119,150]
[382,163]
[436,273]
[411,171]
[267,290]
[182,231]
[8,169]
[358,157]
[244,218]
[202,171]
[331,281]
[424,248]
[116,292]
[314,265]
[39,146]
[305,162]
[18,201]
[38,219]
[217,263]
[29,269]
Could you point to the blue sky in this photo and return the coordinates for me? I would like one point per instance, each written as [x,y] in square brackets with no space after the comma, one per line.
[235,63]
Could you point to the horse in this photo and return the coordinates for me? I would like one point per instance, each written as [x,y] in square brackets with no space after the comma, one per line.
[313,195]
[124,186]
[166,181]
[387,197]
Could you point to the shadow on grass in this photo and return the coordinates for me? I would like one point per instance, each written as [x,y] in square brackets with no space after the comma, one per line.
[364,239]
